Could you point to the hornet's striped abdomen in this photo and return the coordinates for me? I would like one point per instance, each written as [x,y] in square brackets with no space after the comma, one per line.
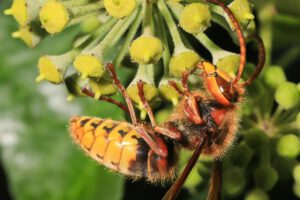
[118,146]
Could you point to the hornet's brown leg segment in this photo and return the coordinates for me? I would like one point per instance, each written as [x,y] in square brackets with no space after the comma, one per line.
[177,185]
[123,91]
[174,85]
[158,129]
[140,85]
[107,99]
[215,181]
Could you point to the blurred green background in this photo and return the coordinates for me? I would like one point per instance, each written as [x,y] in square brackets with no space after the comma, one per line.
[38,158]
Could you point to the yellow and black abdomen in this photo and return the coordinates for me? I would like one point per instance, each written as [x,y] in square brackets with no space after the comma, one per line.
[118,146]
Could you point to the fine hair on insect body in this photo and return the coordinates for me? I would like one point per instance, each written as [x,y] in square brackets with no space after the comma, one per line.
[204,122]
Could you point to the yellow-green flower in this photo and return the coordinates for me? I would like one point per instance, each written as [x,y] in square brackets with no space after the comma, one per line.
[54,16]
[146,50]
[119,8]
[183,61]
[195,18]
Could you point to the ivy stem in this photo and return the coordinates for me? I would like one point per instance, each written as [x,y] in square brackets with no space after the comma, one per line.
[277,114]
[163,35]
[147,20]
[132,31]
[216,51]
[266,16]
[178,43]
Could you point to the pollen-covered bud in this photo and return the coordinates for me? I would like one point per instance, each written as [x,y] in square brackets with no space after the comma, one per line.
[241,155]
[274,76]
[27,35]
[180,62]
[257,194]
[288,146]
[265,177]
[146,50]
[24,11]
[256,138]
[229,64]
[234,182]
[195,18]
[169,92]
[89,64]
[102,87]
[54,16]
[242,11]
[296,173]
[287,95]
[53,68]
[119,8]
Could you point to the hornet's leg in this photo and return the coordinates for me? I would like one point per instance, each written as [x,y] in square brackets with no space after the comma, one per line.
[170,133]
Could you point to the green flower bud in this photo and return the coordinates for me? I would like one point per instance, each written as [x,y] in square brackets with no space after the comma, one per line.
[229,64]
[242,11]
[265,177]
[296,173]
[146,50]
[257,194]
[27,35]
[186,60]
[53,68]
[274,76]
[195,18]
[241,155]
[91,24]
[169,92]
[256,138]
[296,189]
[287,95]
[298,120]
[288,146]
[234,182]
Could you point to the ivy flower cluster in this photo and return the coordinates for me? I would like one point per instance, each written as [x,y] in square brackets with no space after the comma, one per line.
[157,36]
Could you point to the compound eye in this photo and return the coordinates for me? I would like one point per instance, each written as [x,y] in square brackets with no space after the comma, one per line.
[225,88]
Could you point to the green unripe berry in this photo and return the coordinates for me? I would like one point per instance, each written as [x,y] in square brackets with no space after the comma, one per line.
[274,76]
[256,138]
[284,167]
[296,189]
[296,173]
[288,146]
[298,120]
[195,18]
[241,155]
[287,95]
[265,177]
[234,182]
[257,194]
